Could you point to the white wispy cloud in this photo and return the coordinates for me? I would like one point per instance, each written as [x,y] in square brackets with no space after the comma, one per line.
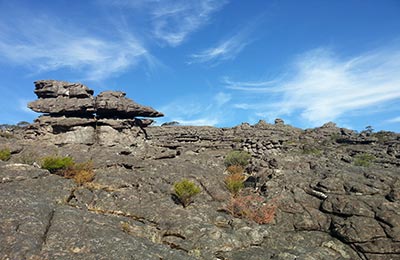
[225,50]
[205,110]
[45,44]
[324,87]
[173,21]
[394,120]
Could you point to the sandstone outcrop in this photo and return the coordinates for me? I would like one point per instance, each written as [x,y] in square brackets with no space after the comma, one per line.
[73,115]
[114,104]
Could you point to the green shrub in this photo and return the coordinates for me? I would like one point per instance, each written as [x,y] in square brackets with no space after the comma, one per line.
[364,159]
[5,154]
[56,163]
[235,182]
[185,190]
[238,158]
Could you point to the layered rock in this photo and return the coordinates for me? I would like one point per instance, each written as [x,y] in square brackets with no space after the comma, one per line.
[114,104]
[327,205]
[63,98]
[73,115]
[55,88]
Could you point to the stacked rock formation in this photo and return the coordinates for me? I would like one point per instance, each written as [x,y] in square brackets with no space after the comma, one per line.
[73,115]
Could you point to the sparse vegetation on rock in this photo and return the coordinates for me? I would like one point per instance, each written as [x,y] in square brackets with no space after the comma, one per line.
[185,190]
[234,182]
[5,154]
[237,158]
[81,173]
[252,207]
[56,163]
[364,159]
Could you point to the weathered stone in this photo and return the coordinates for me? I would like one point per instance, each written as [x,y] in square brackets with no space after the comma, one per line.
[318,205]
[346,206]
[114,104]
[279,121]
[64,106]
[56,88]
[358,229]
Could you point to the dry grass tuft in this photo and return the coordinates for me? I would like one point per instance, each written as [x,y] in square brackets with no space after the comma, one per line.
[252,207]
[81,172]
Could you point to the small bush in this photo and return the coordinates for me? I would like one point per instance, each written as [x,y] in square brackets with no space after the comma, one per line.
[5,154]
[185,190]
[235,182]
[80,172]
[253,208]
[56,163]
[238,158]
[233,169]
[364,159]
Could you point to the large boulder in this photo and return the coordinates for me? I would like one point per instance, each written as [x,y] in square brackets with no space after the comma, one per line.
[55,88]
[114,104]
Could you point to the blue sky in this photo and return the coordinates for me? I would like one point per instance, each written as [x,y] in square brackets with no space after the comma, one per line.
[212,62]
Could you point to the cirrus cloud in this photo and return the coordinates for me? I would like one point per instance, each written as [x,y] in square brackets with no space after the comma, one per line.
[324,87]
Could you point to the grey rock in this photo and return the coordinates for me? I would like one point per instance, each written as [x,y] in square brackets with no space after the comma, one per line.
[114,104]
[56,88]
[321,206]
[64,106]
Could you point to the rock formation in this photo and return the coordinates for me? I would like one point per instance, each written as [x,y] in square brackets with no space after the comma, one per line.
[114,104]
[73,115]
[335,193]
[60,98]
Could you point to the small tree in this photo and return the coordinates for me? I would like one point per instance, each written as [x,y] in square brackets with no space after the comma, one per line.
[185,190]
[238,158]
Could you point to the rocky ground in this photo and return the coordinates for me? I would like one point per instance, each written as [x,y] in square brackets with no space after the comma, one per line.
[335,193]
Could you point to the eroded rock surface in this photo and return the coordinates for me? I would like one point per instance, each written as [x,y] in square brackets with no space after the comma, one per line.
[115,104]
[331,202]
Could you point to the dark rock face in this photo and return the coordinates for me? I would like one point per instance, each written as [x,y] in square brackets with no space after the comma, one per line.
[327,205]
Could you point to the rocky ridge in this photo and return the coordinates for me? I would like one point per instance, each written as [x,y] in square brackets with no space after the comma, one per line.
[331,201]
